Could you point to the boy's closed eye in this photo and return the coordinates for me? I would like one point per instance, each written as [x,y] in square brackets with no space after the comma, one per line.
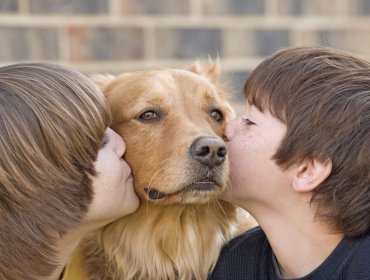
[105,140]
[248,122]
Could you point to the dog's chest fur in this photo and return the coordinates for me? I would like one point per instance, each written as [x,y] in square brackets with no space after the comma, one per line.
[175,242]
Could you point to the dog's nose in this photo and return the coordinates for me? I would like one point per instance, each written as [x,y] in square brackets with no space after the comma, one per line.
[210,151]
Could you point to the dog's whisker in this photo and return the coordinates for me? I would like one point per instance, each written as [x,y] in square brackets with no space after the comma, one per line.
[164,164]
[155,177]
[222,210]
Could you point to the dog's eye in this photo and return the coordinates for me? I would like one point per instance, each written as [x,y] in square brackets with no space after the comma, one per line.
[149,116]
[217,115]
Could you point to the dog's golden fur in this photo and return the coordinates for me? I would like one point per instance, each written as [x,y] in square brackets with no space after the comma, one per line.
[178,232]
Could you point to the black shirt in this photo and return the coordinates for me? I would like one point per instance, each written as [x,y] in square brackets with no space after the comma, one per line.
[250,257]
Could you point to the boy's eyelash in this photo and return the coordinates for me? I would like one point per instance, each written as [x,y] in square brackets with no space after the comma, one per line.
[105,140]
[248,121]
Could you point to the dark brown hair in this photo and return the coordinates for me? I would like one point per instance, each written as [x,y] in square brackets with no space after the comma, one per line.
[323,97]
[52,123]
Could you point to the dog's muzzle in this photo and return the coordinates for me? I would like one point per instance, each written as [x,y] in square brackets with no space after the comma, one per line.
[210,151]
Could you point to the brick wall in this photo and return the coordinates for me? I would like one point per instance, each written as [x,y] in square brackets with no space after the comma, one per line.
[122,35]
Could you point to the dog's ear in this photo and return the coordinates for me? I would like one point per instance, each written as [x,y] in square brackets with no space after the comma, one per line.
[103,82]
[210,70]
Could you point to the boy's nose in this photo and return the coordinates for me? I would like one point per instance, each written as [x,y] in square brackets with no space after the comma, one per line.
[229,128]
[119,145]
[122,147]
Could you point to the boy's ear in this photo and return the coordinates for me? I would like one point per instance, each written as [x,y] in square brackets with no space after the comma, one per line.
[310,174]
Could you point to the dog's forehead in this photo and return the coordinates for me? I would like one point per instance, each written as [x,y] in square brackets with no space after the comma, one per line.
[191,76]
[167,87]
[166,82]
[191,83]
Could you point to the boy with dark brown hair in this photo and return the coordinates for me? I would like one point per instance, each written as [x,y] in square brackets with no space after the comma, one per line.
[300,164]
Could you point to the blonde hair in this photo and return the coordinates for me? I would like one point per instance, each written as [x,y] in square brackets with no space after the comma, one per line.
[52,123]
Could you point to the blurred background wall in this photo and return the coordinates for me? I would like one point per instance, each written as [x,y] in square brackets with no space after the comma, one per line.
[113,36]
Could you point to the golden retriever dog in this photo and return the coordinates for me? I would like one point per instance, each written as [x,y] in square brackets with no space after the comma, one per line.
[172,121]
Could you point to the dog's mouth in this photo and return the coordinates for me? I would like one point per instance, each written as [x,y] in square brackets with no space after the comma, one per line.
[205,185]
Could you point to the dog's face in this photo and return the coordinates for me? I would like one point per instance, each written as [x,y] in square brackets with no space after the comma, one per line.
[172,122]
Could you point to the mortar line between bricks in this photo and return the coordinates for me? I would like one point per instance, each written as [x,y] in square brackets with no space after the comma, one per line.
[227,65]
[195,8]
[64,42]
[149,43]
[295,37]
[114,8]
[313,23]
[342,7]
[271,7]
[24,7]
